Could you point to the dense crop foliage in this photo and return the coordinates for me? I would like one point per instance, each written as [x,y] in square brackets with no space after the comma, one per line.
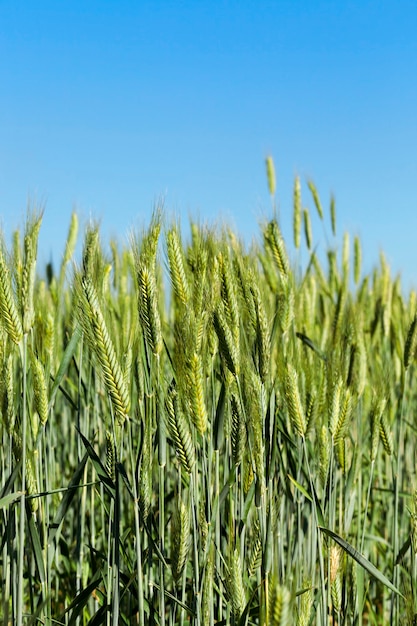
[201,433]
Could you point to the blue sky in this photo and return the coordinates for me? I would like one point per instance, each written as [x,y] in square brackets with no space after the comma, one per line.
[107,107]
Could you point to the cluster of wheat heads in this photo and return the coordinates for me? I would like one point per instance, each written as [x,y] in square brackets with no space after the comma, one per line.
[205,433]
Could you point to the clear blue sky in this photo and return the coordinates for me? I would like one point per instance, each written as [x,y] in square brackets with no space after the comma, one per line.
[107,106]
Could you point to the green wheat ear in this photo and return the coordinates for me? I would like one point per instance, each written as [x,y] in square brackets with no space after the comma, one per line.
[93,322]
[7,403]
[235,585]
[333,214]
[29,271]
[357,260]
[180,539]
[316,198]
[40,389]
[297,212]
[198,410]
[279,605]
[148,309]
[307,229]
[179,430]
[293,398]
[176,267]
[228,349]
[306,603]
[8,306]
[238,429]
[410,343]
[275,246]
[270,174]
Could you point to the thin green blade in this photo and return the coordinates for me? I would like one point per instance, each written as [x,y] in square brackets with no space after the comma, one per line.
[363,561]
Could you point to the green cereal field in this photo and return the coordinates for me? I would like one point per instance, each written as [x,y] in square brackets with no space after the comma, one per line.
[199,432]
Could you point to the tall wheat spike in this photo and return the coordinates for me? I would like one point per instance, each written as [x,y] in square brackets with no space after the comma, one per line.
[145,472]
[285,308]
[31,480]
[98,336]
[275,245]
[70,243]
[145,249]
[410,343]
[196,394]
[333,214]
[336,559]
[255,403]
[238,429]
[292,396]
[229,297]
[262,334]
[29,272]
[297,212]
[316,198]
[235,585]
[255,551]
[312,407]
[179,430]
[176,267]
[335,401]
[344,417]
[16,261]
[180,539]
[246,281]
[45,325]
[306,604]
[386,434]
[227,347]
[357,260]
[7,403]
[308,233]
[279,605]
[40,390]
[148,309]
[334,277]
[199,270]
[8,306]
[270,174]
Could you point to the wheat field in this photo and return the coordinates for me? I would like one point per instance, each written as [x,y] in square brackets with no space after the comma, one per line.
[196,431]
